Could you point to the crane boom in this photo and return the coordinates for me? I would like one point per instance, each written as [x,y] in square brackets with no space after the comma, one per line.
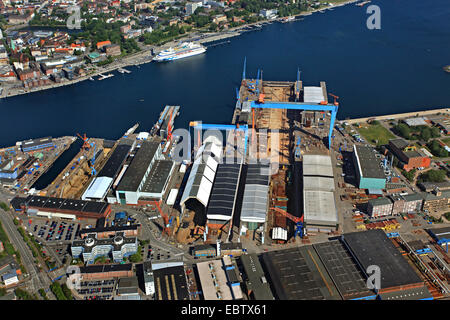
[288,215]
[165,218]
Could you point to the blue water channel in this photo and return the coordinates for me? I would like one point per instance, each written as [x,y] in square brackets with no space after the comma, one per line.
[395,69]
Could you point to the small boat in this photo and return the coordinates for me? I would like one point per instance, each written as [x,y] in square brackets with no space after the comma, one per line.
[92,79]
[362,4]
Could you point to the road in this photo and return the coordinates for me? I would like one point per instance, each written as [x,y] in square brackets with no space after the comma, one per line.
[38,279]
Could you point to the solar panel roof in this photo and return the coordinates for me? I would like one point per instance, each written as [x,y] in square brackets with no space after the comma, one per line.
[223,193]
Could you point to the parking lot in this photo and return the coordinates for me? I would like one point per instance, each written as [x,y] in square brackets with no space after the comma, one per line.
[155,254]
[55,230]
[97,290]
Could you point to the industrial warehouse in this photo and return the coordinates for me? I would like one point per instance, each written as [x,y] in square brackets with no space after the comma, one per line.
[62,208]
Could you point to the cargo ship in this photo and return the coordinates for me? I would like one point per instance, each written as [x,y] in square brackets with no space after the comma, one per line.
[186,49]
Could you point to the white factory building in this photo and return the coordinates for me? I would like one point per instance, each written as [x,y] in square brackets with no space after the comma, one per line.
[319,207]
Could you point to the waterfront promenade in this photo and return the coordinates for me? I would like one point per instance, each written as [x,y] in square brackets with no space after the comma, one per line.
[398,115]
[144,56]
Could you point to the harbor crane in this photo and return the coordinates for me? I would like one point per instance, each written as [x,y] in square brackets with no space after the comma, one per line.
[85,140]
[300,106]
[322,106]
[165,219]
[298,221]
[93,171]
[335,99]
[169,127]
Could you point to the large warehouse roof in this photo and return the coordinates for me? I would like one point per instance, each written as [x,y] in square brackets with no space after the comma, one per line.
[55,204]
[256,280]
[256,192]
[368,165]
[201,177]
[254,204]
[170,284]
[98,188]
[318,183]
[346,275]
[158,176]
[298,274]
[138,167]
[317,165]
[373,247]
[115,161]
[223,194]
[319,208]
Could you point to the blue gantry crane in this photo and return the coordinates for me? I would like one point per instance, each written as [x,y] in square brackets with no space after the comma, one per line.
[93,171]
[333,108]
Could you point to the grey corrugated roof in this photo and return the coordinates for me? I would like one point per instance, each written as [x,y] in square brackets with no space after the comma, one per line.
[254,203]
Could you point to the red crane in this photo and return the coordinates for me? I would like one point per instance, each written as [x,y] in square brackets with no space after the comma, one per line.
[165,219]
[298,221]
[335,99]
[169,127]
[85,140]
[288,215]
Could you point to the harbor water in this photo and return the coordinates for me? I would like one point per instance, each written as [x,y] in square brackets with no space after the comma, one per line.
[396,69]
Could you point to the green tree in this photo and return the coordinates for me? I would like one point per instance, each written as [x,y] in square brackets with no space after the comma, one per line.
[433,176]
[435,132]
[213,27]
[403,130]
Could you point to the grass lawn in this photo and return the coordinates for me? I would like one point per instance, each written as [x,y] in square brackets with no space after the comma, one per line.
[376,134]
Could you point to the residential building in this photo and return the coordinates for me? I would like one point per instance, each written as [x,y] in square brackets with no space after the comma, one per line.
[220,18]
[268,14]
[90,248]
[192,6]
[438,201]
[102,44]
[112,50]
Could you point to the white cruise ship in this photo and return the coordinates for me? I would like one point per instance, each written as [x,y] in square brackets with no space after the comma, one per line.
[186,49]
